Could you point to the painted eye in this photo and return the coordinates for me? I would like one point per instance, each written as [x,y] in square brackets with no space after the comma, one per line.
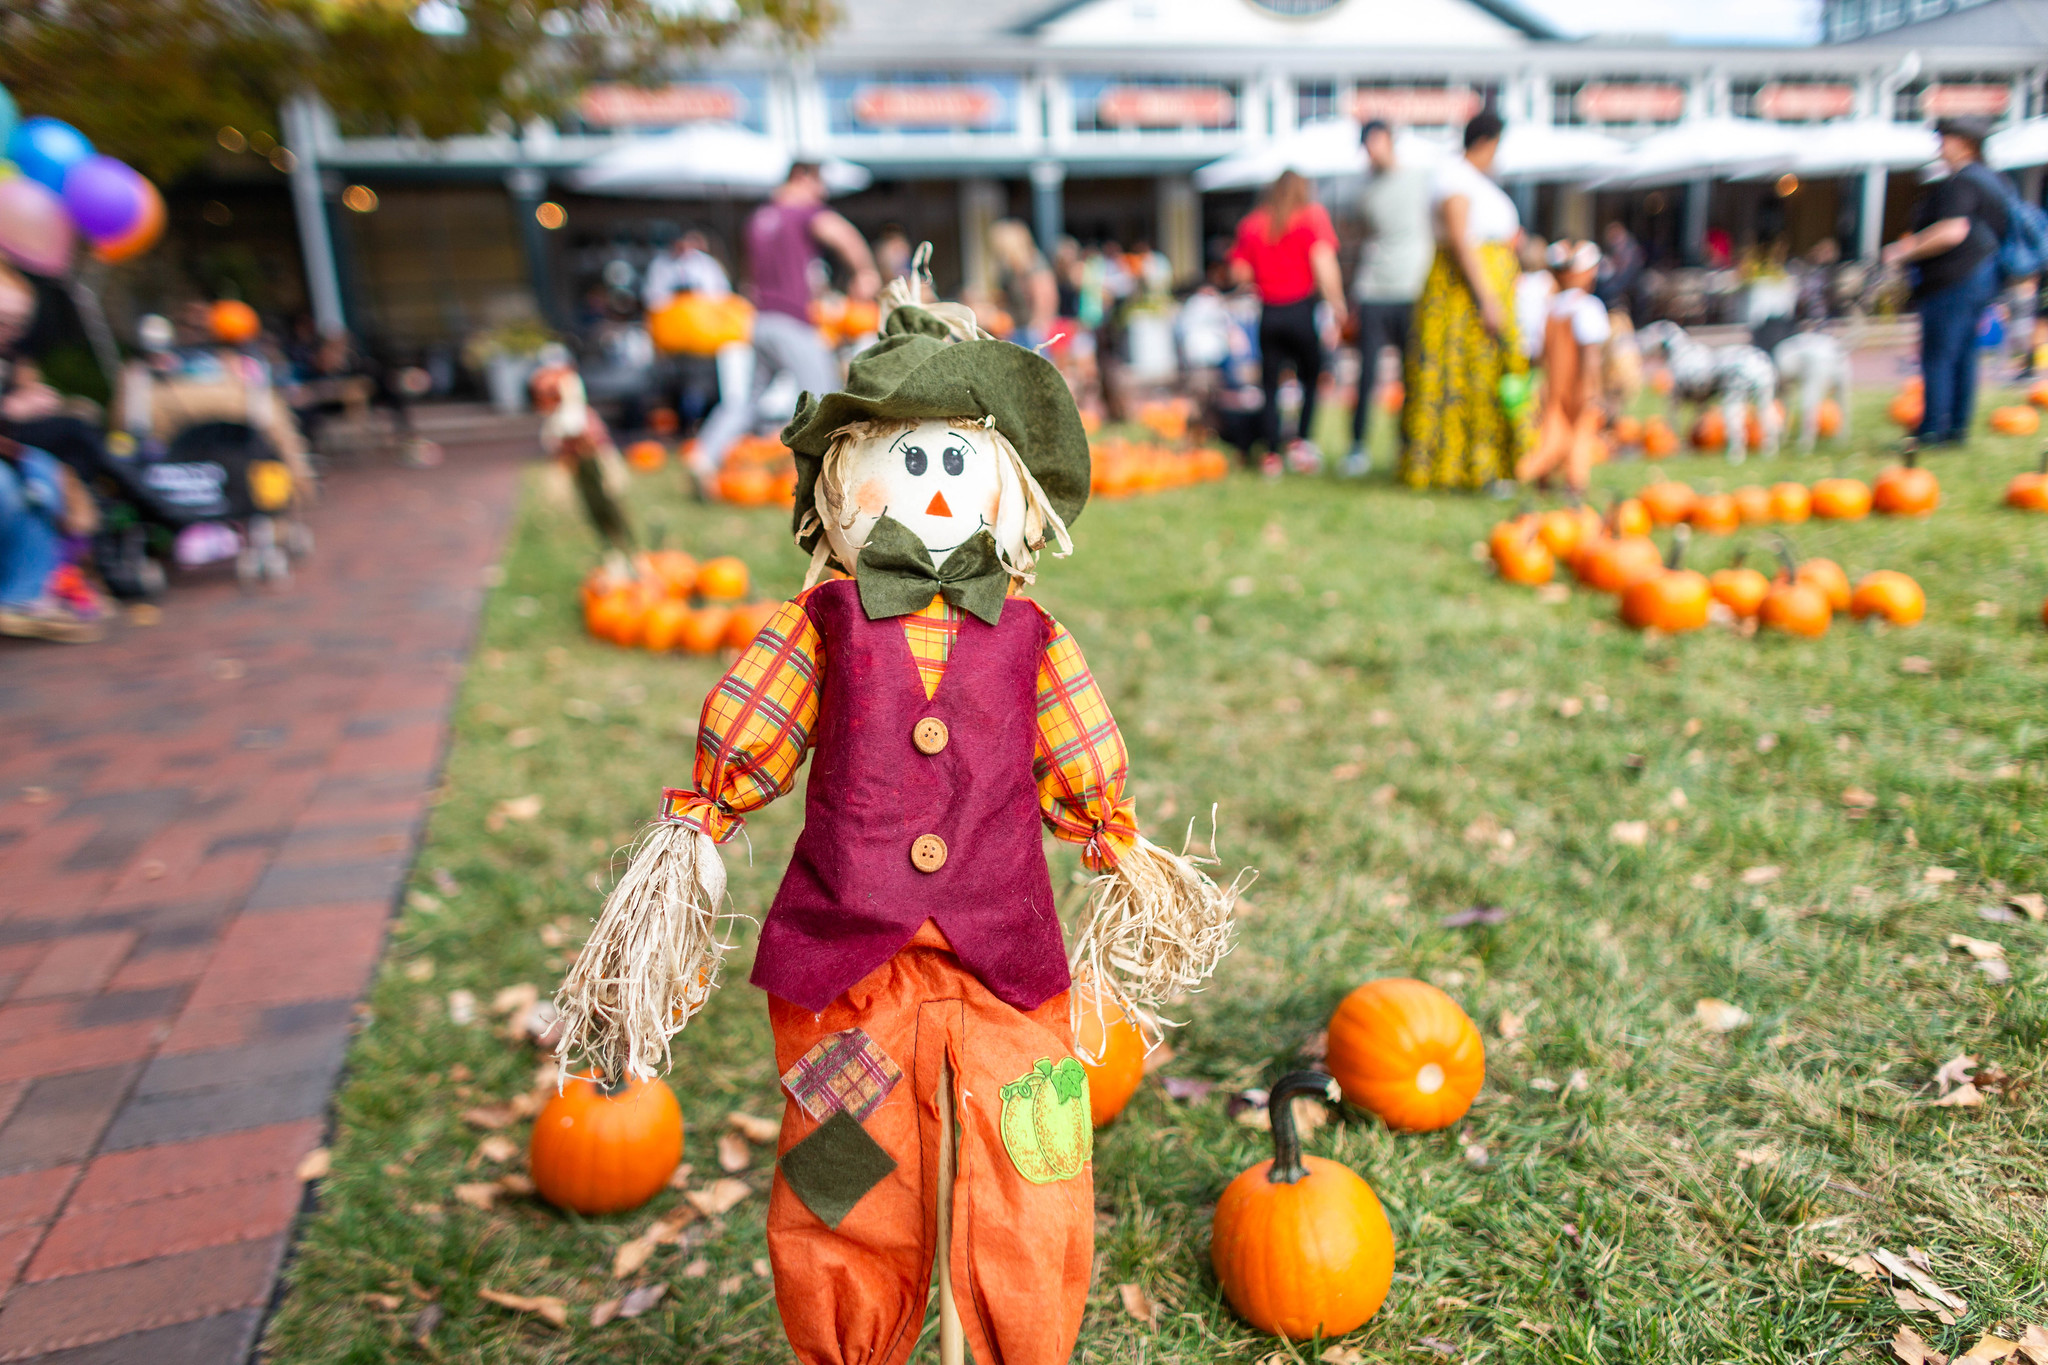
[955,460]
[914,460]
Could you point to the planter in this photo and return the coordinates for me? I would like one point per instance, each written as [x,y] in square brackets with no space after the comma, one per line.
[505,377]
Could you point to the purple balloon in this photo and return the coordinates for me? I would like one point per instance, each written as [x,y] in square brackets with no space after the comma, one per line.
[105,197]
[35,231]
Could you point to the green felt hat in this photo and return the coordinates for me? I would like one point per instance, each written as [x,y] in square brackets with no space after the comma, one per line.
[918,372]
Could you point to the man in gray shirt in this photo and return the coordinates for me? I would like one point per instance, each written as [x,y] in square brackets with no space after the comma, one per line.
[1399,246]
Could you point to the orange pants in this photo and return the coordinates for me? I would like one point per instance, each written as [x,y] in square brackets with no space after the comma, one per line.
[1564,443]
[1021,1254]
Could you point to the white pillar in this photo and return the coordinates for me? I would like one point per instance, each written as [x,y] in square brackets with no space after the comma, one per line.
[1870,227]
[1048,203]
[309,206]
[981,203]
[1180,226]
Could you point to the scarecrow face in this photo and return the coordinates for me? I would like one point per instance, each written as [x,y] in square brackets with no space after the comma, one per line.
[944,481]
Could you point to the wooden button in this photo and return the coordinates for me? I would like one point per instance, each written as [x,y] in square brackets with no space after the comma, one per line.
[929,735]
[927,853]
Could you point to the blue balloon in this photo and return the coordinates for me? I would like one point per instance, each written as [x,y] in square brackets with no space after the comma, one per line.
[9,116]
[45,148]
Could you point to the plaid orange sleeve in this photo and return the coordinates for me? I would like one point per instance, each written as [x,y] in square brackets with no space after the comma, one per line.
[1080,765]
[756,725]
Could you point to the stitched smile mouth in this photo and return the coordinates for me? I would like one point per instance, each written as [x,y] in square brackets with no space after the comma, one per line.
[980,525]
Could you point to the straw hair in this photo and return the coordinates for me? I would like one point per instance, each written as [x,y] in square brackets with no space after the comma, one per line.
[651,962]
[1158,926]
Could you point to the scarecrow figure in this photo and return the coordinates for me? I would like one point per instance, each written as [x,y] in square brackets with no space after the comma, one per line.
[919,987]
[576,436]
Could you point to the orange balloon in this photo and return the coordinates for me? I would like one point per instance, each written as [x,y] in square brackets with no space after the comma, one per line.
[233,322]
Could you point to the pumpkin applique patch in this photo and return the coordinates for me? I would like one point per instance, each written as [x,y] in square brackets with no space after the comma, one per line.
[843,1072]
[1046,1123]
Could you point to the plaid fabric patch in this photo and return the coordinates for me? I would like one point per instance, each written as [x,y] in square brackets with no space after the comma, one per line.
[843,1072]
[931,633]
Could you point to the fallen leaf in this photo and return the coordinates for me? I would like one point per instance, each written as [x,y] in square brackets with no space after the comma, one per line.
[544,1306]
[2033,905]
[733,1152]
[516,1184]
[1161,1055]
[602,1313]
[756,1130]
[512,999]
[1551,594]
[1343,1355]
[639,1300]
[1990,1348]
[1138,1303]
[731,1285]
[1996,970]
[1510,1025]
[1998,914]
[422,970]
[719,1196]
[1385,794]
[482,1195]
[386,1303]
[1746,1157]
[697,1269]
[1315,1047]
[1938,876]
[1983,949]
[1677,799]
[1859,798]
[1964,1096]
[1719,1015]
[1476,1156]
[632,1255]
[1543,1083]
[427,903]
[2034,1344]
[489,1116]
[1915,664]
[1437,1345]
[525,737]
[425,1321]
[1859,1264]
[1908,1347]
[1569,707]
[679,1179]
[1475,914]
[1634,833]
[1347,772]
[1187,1088]
[515,808]
[1576,1081]
[1766,742]
[1760,876]
[1899,1268]
[315,1164]
[1700,881]
[1909,1302]
[760,1268]
[1954,1072]
[462,1007]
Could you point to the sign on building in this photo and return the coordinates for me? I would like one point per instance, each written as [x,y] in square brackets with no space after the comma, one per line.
[1143,105]
[1416,106]
[1789,102]
[616,105]
[1629,102]
[947,103]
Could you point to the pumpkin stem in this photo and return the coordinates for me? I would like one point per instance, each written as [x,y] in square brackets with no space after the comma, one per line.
[1681,536]
[1909,452]
[1287,1165]
[1787,558]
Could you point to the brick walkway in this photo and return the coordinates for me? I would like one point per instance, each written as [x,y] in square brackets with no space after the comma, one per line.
[203,829]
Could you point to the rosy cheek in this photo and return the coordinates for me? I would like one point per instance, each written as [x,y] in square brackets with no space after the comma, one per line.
[871,497]
[988,505]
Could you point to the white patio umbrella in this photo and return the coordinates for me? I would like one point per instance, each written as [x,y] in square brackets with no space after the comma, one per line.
[1324,150]
[704,158]
[1855,145]
[1544,151]
[1704,147]
[2023,144]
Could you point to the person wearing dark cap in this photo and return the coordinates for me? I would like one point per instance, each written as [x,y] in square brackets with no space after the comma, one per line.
[1957,225]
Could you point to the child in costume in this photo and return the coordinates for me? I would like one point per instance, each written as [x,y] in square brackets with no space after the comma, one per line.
[919,988]
[1575,328]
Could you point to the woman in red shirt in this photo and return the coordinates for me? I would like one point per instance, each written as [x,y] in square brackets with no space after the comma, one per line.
[1287,249]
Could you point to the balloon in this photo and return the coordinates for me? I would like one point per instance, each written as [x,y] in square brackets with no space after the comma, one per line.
[233,322]
[104,196]
[35,231]
[9,116]
[140,237]
[45,148]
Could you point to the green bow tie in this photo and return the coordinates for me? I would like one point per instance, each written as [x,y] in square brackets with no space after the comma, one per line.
[895,575]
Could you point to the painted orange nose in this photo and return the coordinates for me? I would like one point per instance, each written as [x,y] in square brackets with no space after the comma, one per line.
[938,507]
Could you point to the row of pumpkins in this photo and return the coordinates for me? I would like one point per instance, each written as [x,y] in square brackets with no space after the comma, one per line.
[758,471]
[700,324]
[1616,555]
[668,601]
[1301,1245]
[1909,404]
[1119,467]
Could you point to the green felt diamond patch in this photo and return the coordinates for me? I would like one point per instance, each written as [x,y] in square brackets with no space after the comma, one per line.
[834,1167]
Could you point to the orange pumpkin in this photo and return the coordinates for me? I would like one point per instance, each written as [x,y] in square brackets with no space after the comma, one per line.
[698,324]
[1738,589]
[1627,431]
[1716,514]
[1659,440]
[601,1149]
[2038,394]
[723,579]
[646,456]
[663,623]
[1301,1245]
[1561,529]
[704,630]
[1629,518]
[1710,432]
[1841,499]
[860,317]
[1666,501]
[1753,504]
[2017,420]
[1613,564]
[664,422]
[673,570]
[1674,600]
[1519,555]
[2029,491]
[1404,1050]
[746,623]
[616,616]
[233,323]
[1829,423]
[1890,594]
[1112,1051]
[1795,607]
[1907,490]
[746,485]
[1790,503]
[1827,577]
[1908,406]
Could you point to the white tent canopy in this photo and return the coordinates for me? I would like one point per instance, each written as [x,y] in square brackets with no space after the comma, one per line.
[1853,146]
[1543,151]
[1705,147]
[2023,144]
[704,158]
[1329,149]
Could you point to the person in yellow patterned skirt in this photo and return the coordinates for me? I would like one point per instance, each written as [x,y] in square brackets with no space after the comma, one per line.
[1458,432]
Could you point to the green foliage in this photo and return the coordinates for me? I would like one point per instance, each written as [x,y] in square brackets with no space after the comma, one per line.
[153,81]
[1375,714]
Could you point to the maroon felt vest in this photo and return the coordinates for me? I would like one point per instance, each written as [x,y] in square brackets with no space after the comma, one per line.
[853,895]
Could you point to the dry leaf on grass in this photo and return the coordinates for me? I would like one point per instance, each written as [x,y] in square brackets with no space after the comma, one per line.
[1746,1157]
[1859,1264]
[1938,876]
[756,1130]
[1634,833]
[315,1164]
[1908,1347]
[497,1148]
[1954,1072]
[425,1321]
[1138,1303]
[1964,1096]
[1475,914]
[2033,905]
[516,808]
[479,1195]
[1186,1088]
[525,737]
[697,1269]
[1915,664]
[1342,1355]
[1760,876]
[679,1179]
[1437,1346]
[2034,1344]
[546,1307]
[1858,799]
[387,1303]
[1164,1053]
[462,1007]
[1719,1015]
[489,1116]
[1902,1268]
[1476,1156]
[1550,594]
[733,1152]
[1510,1026]
[1543,1083]
[719,1196]
[1989,1349]
[731,1285]
[1983,949]
[1347,772]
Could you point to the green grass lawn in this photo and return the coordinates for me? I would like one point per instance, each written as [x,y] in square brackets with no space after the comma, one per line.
[1390,736]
